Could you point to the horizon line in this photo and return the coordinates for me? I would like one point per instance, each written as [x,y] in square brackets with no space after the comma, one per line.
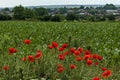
[55,5]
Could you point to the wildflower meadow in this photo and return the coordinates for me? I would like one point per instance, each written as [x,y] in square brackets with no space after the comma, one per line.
[33,50]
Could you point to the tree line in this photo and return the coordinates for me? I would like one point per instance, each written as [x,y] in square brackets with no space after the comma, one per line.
[61,14]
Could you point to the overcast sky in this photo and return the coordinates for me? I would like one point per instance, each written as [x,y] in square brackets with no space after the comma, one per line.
[12,3]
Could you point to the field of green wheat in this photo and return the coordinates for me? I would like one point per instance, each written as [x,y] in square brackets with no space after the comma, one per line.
[57,50]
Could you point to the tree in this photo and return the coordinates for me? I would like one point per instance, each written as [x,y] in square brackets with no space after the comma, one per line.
[63,10]
[6,9]
[72,16]
[41,11]
[28,13]
[18,12]
[87,8]
[99,8]
[57,18]
[103,18]
[47,18]
[81,7]
[109,7]
[111,17]
[93,11]
[5,17]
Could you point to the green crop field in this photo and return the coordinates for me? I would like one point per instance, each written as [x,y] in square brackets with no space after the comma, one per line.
[27,63]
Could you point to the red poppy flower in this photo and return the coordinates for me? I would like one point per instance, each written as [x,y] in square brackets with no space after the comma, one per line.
[66,53]
[60,68]
[72,50]
[86,57]
[100,57]
[27,41]
[95,78]
[76,53]
[72,66]
[65,45]
[54,44]
[31,58]
[78,58]
[23,59]
[12,50]
[59,65]
[106,73]
[96,63]
[87,52]
[80,49]
[94,56]
[103,69]
[50,46]
[5,68]
[61,56]
[89,62]
[38,54]
[61,49]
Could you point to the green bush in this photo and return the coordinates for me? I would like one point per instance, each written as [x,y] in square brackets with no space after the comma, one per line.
[57,18]
[5,17]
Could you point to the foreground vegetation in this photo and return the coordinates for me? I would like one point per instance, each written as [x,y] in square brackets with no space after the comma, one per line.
[101,38]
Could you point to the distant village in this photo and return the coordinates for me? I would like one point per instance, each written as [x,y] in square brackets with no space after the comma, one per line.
[80,13]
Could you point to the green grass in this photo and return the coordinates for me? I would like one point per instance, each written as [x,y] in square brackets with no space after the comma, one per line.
[100,37]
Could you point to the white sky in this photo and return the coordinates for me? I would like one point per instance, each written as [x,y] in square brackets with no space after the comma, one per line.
[12,3]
